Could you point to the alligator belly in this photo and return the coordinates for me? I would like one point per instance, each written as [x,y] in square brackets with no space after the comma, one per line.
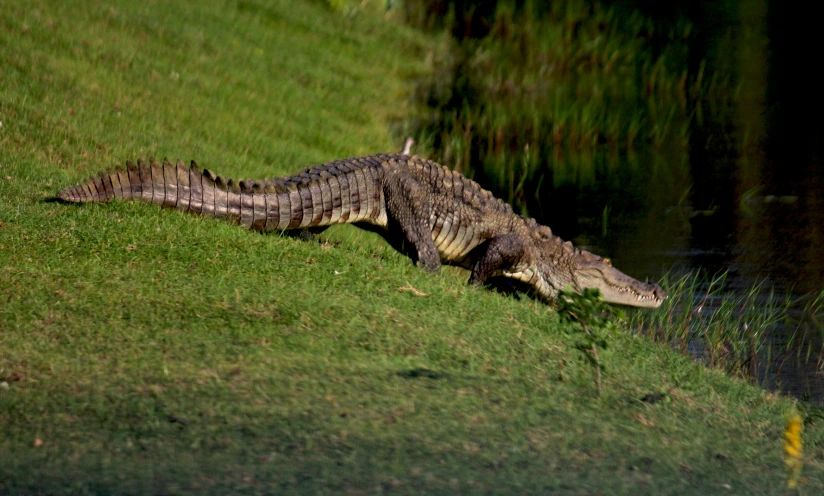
[455,239]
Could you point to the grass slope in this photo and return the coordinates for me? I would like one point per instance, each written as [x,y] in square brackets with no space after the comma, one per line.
[147,352]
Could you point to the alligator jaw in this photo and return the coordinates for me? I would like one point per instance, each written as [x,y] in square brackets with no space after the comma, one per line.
[619,288]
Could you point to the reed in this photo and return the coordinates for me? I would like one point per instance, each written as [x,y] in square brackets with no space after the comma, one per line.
[754,333]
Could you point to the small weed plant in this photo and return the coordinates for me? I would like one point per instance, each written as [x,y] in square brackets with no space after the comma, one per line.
[591,321]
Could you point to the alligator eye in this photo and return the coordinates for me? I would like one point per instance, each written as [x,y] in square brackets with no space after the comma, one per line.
[608,262]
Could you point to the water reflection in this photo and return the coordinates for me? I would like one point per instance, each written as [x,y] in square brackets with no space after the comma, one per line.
[654,213]
[746,197]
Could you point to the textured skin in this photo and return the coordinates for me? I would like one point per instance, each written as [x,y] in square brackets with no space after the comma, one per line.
[436,214]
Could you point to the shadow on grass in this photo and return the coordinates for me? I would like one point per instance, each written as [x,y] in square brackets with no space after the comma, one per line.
[422,373]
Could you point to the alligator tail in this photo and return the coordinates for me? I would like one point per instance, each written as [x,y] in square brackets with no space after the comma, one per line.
[344,191]
[183,188]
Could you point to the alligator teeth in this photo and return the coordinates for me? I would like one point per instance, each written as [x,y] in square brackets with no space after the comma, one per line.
[638,296]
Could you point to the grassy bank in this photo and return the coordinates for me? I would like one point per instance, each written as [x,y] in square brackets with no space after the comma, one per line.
[147,352]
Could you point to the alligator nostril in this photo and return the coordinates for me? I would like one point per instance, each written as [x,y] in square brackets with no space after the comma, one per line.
[660,293]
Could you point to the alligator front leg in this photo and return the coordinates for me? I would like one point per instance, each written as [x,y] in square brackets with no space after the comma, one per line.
[499,254]
[408,204]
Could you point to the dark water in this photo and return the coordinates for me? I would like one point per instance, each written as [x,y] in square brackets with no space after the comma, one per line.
[748,195]
[746,198]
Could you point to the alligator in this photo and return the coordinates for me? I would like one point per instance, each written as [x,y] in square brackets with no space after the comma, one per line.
[433,214]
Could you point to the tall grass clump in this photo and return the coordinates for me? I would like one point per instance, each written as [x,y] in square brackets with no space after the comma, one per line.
[571,76]
[753,333]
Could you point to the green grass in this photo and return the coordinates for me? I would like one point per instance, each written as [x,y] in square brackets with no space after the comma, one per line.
[147,352]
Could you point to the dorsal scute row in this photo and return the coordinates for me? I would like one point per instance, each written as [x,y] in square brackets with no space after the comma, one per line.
[245,186]
[152,164]
[440,177]
[446,180]
[330,169]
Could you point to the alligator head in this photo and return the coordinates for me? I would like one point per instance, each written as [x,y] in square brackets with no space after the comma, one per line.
[593,271]
[560,265]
